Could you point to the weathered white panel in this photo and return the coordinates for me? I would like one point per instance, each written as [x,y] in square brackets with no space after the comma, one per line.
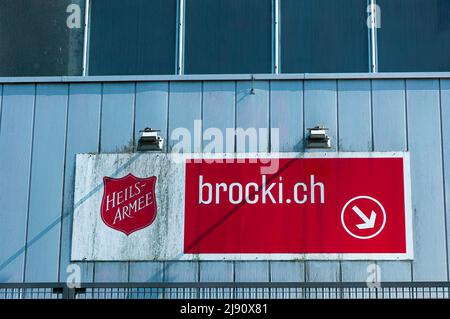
[93,240]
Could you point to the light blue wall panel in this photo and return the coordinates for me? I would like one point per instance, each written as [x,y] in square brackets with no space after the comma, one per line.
[1,100]
[424,141]
[320,107]
[184,108]
[355,271]
[181,271]
[252,112]
[287,271]
[219,101]
[15,152]
[146,271]
[117,128]
[116,135]
[83,136]
[355,135]
[152,100]
[445,128]
[323,271]
[218,109]
[389,115]
[355,116]
[46,190]
[251,271]
[213,271]
[286,114]
[389,134]
[111,272]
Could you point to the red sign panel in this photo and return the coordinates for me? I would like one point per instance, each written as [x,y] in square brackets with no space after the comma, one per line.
[344,205]
[129,203]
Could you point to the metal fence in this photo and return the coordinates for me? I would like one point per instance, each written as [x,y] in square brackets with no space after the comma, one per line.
[392,290]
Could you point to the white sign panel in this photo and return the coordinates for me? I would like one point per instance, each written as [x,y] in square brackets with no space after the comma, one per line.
[288,206]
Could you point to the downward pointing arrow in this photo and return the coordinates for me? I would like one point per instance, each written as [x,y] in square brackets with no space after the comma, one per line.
[368,222]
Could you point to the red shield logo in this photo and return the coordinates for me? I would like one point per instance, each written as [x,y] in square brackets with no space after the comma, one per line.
[129,203]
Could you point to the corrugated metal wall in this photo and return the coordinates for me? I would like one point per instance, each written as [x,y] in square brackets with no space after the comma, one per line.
[44,125]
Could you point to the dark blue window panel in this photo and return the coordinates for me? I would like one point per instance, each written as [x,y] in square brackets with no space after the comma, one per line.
[36,41]
[132,37]
[324,36]
[228,36]
[414,36]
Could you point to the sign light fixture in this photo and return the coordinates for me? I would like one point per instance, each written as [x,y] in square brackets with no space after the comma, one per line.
[150,141]
[318,137]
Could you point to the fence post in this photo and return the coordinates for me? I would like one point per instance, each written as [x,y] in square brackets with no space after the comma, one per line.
[68,293]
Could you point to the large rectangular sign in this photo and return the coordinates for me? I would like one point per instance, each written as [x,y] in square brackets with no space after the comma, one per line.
[242,207]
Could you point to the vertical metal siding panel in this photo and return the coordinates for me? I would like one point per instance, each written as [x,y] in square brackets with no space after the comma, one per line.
[83,136]
[184,108]
[389,115]
[286,114]
[287,271]
[424,140]
[116,136]
[216,271]
[252,112]
[181,271]
[219,108]
[354,114]
[355,135]
[151,107]
[320,107]
[445,116]
[323,271]
[355,271]
[117,117]
[1,100]
[111,271]
[389,134]
[218,113]
[47,171]
[15,156]
[146,271]
[151,111]
[252,271]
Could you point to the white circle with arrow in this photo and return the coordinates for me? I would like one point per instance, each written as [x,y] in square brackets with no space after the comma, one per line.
[368,219]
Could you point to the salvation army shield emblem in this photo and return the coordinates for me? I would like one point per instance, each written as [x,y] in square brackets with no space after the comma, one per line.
[129,203]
